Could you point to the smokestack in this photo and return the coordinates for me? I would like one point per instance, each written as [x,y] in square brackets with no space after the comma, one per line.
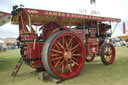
[124,28]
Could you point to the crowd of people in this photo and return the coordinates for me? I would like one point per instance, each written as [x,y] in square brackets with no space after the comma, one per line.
[118,42]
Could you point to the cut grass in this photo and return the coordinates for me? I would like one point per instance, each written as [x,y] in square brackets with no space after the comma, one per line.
[93,73]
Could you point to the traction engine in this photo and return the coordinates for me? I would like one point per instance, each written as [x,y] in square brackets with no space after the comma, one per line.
[66,40]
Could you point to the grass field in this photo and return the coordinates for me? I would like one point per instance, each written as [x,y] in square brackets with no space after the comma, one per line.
[94,73]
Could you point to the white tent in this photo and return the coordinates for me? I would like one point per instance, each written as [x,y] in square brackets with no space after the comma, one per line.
[1,42]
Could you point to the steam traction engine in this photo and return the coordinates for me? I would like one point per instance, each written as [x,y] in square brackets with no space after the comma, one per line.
[66,42]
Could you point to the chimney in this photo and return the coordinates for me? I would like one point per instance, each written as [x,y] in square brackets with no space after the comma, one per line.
[124,29]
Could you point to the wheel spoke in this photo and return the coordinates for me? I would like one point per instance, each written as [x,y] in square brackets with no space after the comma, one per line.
[57,46]
[74,62]
[62,62]
[66,44]
[70,41]
[57,51]
[60,45]
[106,58]
[56,58]
[57,63]
[74,51]
[75,47]
[71,46]
[105,50]
[63,68]
[76,54]
[74,58]
[110,52]
[55,54]
[109,57]
[69,66]
[105,53]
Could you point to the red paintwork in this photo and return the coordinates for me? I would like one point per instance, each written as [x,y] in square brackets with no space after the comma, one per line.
[33,48]
[33,45]
[29,37]
[35,53]
[93,46]
[48,29]
[22,21]
[81,33]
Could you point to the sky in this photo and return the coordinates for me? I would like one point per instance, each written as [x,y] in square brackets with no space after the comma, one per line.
[107,8]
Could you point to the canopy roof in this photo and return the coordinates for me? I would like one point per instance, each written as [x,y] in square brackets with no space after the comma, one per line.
[44,16]
[4,18]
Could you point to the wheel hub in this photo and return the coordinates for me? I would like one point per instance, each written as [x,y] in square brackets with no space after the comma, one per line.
[107,53]
[67,55]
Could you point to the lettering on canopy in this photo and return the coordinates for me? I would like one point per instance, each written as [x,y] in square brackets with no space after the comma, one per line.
[33,11]
[53,13]
[68,15]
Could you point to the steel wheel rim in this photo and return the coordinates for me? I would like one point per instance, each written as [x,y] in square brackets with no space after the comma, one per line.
[71,55]
[109,53]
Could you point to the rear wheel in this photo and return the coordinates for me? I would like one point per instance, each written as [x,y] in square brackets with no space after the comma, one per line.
[108,53]
[63,55]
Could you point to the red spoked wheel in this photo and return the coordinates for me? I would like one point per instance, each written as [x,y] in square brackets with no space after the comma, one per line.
[90,58]
[63,55]
[108,53]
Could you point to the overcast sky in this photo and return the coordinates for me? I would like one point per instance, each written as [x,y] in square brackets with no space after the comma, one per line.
[107,8]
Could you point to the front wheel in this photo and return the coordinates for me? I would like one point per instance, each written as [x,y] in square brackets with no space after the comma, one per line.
[108,53]
[63,55]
